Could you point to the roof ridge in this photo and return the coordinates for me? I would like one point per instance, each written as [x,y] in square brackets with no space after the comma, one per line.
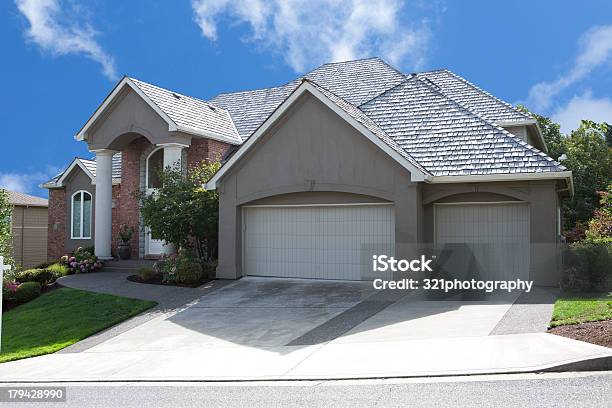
[406,79]
[257,89]
[495,126]
[345,61]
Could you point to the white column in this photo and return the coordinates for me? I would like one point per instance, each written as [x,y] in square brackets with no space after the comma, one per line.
[103,203]
[173,153]
[173,158]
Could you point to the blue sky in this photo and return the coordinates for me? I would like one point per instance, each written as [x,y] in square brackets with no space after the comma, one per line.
[62,57]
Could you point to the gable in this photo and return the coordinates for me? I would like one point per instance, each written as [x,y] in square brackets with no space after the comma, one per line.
[128,113]
[311,147]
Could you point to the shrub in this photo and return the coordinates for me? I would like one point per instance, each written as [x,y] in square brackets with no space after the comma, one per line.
[209,268]
[146,274]
[9,287]
[588,266]
[189,271]
[26,291]
[59,269]
[180,268]
[42,276]
[82,261]
[45,265]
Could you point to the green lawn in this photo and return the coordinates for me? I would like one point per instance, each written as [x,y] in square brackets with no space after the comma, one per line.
[575,308]
[60,318]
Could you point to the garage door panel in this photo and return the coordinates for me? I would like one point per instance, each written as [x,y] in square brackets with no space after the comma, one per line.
[497,235]
[319,242]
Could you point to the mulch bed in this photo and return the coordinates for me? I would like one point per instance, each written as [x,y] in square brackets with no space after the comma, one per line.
[599,333]
[157,280]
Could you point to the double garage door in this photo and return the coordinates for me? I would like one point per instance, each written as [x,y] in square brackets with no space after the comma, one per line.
[337,242]
[316,242]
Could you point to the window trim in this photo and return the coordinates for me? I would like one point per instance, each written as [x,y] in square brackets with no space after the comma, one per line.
[147,165]
[82,195]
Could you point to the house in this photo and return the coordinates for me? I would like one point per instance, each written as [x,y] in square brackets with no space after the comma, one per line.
[28,229]
[351,160]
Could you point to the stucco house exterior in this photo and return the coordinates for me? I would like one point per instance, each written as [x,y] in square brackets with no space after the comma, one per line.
[352,159]
[28,229]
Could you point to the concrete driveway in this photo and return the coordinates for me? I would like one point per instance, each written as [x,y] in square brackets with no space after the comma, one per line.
[264,328]
[268,312]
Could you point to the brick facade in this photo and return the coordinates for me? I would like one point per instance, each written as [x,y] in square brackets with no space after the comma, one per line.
[57,224]
[130,188]
[125,196]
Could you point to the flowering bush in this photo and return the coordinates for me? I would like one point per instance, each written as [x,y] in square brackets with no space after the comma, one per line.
[82,261]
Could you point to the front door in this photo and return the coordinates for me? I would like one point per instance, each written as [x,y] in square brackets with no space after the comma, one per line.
[155,164]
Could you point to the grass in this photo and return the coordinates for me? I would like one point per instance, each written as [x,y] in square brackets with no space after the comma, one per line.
[60,318]
[576,308]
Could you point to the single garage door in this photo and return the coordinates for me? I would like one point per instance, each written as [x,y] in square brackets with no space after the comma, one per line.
[316,242]
[497,235]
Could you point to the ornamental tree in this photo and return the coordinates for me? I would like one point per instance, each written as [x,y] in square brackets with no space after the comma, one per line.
[183,212]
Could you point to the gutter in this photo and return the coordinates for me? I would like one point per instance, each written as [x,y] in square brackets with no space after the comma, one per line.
[556,175]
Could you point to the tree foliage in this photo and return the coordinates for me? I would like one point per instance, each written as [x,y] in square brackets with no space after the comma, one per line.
[588,155]
[6,241]
[600,227]
[183,212]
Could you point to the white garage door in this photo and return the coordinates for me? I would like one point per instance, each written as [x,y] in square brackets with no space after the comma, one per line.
[497,234]
[316,242]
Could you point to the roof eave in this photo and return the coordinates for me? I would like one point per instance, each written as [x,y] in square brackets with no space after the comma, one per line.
[483,178]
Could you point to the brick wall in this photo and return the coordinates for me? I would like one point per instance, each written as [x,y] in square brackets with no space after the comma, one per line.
[201,149]
[58,219]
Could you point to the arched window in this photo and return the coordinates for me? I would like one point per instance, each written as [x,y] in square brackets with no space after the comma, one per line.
[81,215]
[155,164]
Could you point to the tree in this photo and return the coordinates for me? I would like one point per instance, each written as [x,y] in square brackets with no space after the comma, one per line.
[183,212]
[589,157]
[6,240]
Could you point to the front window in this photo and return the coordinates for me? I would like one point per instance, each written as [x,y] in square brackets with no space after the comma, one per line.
[81,215]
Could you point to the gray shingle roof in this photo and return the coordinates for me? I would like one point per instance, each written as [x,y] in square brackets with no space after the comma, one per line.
[249,109]
[356,81]
[90,164]
[447,138]
[439,121]
[191,112]
[474,98]
[18,198]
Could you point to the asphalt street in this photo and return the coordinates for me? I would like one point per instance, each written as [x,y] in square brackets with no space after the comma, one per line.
[525,390]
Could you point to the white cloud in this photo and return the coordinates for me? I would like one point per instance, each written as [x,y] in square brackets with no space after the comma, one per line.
[310,32]
[581,107]
[26,182]
[595,49]
[59,32]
